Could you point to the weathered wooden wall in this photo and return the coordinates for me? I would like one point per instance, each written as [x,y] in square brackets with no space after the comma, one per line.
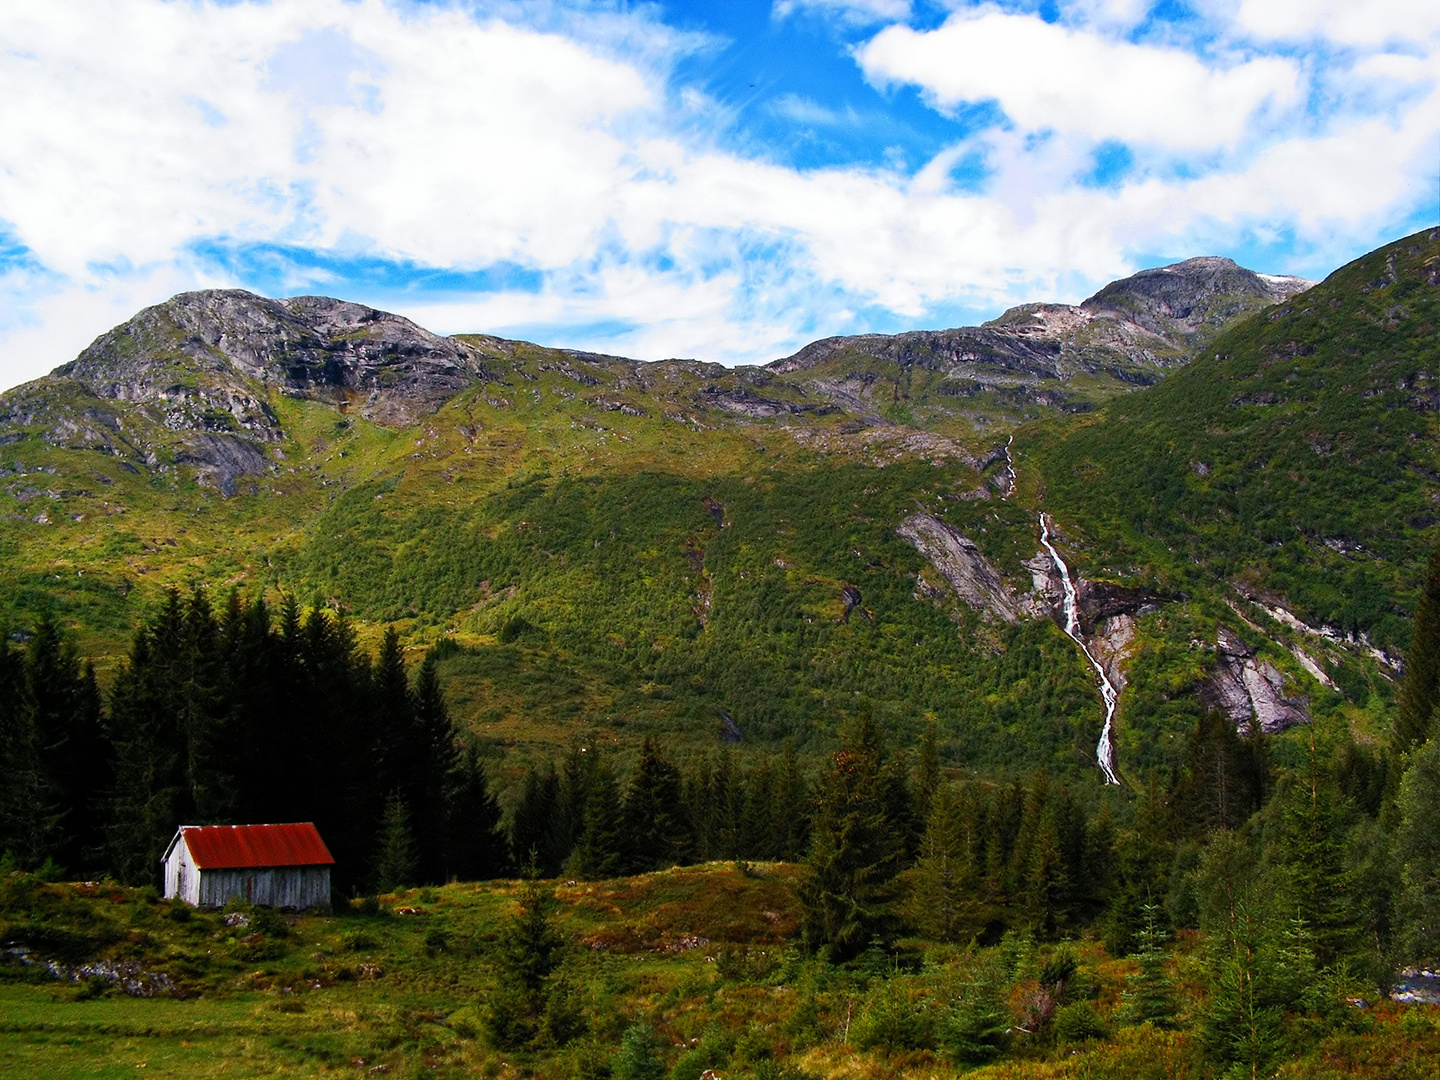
[296,887]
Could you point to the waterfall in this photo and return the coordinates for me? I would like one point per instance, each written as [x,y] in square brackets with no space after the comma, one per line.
[1009,469]
[1105,749]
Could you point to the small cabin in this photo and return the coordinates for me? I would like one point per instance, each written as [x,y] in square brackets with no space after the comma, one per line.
[281,866]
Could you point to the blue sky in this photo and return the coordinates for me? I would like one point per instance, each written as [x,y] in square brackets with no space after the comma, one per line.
[716,180]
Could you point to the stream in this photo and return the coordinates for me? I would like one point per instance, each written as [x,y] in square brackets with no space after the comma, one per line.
[1105,749]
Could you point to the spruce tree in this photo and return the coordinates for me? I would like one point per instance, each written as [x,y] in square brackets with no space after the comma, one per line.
[434,759]
[395,857]
[149,797]
[1420,690]
[475,845]
[527,960]
[846,889]
[603,849]
[654,813]
[1150,996]
[536,821]
[946,879]
[1418,848]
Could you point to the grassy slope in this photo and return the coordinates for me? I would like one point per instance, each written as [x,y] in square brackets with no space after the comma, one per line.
[697,953]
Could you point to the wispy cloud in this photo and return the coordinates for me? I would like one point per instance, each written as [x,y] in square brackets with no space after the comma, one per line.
[564,172]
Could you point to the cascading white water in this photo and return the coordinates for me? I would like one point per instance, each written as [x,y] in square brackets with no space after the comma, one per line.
[1009,468]
[1105,749]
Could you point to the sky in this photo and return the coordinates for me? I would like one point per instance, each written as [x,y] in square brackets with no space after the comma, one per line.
[718,180]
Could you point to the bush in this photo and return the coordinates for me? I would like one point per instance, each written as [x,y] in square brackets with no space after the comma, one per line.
[893,1021]
[1078,1022]
[639,1057]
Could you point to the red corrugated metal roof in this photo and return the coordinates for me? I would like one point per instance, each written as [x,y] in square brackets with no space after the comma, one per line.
[229,847]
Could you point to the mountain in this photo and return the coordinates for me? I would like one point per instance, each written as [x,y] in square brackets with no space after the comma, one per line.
[616,547]
[1128,334]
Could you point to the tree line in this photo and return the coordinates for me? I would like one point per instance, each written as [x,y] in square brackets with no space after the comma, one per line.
[233,716]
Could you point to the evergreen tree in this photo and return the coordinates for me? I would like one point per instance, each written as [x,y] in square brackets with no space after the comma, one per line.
[846,889]
[1150,996]
[476,847]
[927,768]
[1420,690]
[434,761]
[790,809]
[603,848]
[639,1057]
[1418,848]
[1312,848]
[149,795]
[30,808]
[527,960]
[946,879]
[534,825]
[395,858]
[654,813]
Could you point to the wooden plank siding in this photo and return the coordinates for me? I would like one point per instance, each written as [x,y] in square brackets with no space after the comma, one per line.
[293,887]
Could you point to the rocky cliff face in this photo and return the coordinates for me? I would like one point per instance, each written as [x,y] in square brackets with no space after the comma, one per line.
[1131,331]
[196,350]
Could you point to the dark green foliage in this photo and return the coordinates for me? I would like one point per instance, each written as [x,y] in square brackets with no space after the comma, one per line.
[654,813]
[893,1020]
[976,1027]
[528,990]
[604,845]
[640,1056]
[535,824]
[475,844]
[1150,998]
[1415,704]
[856,851]
[1418,848]
[54,760]
[396,861]
[1223,779]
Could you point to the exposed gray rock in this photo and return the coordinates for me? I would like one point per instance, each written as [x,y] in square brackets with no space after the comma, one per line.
[194,353]
[1250,690]
[1111,644]
[1132,330]
[961,563]
[221,460]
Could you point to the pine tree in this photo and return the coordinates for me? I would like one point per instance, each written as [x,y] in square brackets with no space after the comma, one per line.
[654,813]
[1415,704]
[476,847]
[529,955]
[603,848]
[395,859]
[846,890]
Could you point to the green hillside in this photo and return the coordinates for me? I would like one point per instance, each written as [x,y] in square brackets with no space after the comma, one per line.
[1295,459]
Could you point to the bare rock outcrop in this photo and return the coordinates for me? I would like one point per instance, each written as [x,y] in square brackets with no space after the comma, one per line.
[962,564]
[1250,690]
[195,353]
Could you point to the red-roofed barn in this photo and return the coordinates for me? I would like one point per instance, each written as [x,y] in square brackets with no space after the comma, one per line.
[283,866]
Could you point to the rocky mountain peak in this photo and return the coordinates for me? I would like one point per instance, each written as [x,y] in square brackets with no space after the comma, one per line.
[206,344]
[1191,301]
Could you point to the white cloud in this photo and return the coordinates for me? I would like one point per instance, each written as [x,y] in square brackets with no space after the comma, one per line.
[1354,22]
[135,131]
[1047,76]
